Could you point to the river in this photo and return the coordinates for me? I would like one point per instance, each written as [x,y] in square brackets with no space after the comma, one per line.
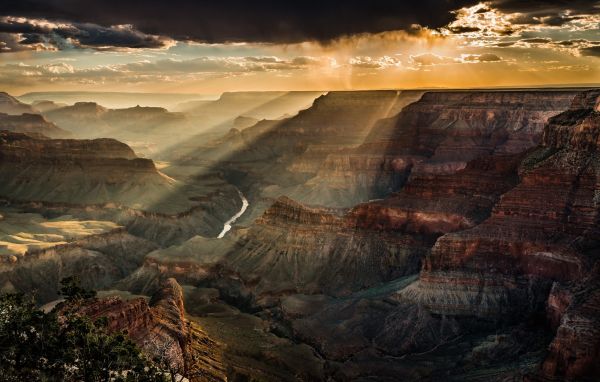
[229,223]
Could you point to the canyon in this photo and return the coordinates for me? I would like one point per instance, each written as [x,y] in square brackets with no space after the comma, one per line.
[360,235]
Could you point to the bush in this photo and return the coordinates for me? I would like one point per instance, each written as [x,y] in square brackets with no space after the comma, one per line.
[40,346]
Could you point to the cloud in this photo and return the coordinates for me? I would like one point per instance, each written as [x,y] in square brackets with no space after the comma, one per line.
[505,44]
[12,43]
[224,64]
[480,21]
[573,42]
[593,51]
[242,20]
[459,29]
[428,59]
[367,62]
[546,11]
[18,33]
[106,24]
[537,40]
[486,57]
[166,70]
[506,17]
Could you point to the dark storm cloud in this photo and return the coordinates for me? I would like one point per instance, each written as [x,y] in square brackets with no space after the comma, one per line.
[242,20]
[537,40]
[486,57]
[463,29]
[547,7]
[93,22]
[77,34]
[590,51]
[547,12]
[573,42]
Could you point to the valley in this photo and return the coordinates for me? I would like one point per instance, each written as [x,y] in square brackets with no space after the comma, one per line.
[343,235]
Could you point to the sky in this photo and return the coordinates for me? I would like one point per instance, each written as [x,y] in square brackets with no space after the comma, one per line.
[182,46]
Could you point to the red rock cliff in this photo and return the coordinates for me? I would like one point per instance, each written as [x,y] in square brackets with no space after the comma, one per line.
[161,329]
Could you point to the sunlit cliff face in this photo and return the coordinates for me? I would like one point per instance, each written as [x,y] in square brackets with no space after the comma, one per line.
[499,43]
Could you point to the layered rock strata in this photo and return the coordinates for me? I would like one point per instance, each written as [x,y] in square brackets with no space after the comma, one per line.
[82,172]
[539,231]
[160,328]
[104,259]
[31,124]
[439,133]
[11,105]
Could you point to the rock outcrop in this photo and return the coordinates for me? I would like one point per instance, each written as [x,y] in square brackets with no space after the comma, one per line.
[274,158]
[436,204]
[31,124]
[492,195]
[43,106]
[149,130]
[543,231]
[101,260]
[82,119]
[259,105]
[439,133]
[574,311]
[12,106]
[83,172]
[294,248]
[336,119]
[160,328]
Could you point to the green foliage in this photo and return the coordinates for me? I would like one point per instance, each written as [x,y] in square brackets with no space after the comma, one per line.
[28,341]
[72,291]
[64,345]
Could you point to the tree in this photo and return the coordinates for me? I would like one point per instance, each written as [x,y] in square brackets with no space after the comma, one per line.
[95,355]
[29,345]
[63,345]
[72,290]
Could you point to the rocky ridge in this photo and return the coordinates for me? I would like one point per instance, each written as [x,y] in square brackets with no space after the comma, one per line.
[31,124]
[160,328]
[12,106]
[439,133]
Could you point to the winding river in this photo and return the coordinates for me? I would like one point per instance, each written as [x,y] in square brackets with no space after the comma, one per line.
[228,223]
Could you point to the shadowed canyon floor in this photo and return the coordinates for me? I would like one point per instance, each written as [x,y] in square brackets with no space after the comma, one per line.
[376,235]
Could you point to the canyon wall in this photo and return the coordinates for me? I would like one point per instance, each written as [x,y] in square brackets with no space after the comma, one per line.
[103,259]
[439,133]
[410,235]
[160,328]
[83,172]
[541,232]
[32,124]
[12,106]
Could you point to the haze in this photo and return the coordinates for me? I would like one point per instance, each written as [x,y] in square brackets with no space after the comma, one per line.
[65,46]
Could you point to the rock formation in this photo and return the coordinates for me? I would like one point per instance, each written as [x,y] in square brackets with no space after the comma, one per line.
[160,328]
[476,261]
[439,133]
[12,106]
[539,230]
[542,231]
[43,106]
[148,129]
[103,259]
[81,172]
[31,124]
[574,312]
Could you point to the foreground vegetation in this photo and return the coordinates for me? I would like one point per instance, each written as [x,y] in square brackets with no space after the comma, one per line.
[62,345]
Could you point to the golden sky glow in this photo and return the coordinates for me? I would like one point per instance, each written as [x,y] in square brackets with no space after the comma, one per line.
[482,47]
